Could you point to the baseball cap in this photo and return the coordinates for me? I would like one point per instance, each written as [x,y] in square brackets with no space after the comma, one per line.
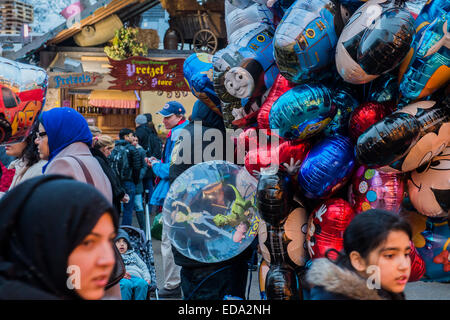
[170,108]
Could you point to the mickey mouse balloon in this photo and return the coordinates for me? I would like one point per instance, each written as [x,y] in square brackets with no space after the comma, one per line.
[374,41]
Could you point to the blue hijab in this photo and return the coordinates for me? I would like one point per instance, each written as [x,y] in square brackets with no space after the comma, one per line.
[64,126]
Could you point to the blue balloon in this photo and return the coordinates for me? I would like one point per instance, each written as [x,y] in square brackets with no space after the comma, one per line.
[302,111]
[427,66]
[198,72]
[306,38]
[327,167]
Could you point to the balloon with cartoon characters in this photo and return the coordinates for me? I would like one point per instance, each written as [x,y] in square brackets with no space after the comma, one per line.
[281,235]
[210,212]
[303,111]
[198,72]
[326,226]
[374,189]
[22,96]
[431,238]
[305,40]
[429,186]
[374,41]
[427,65]
[394,141]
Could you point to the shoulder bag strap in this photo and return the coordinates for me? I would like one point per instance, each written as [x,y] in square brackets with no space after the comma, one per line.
[86,172]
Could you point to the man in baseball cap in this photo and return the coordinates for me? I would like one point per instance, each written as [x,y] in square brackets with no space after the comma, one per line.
[174,120]
[170,108]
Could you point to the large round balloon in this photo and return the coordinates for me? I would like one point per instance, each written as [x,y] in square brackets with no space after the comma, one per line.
[326,227]
[302,111]
[327,167]
[209,212]
[373,189]
[387,140]
[305,41]
[427,65]
[198,72]
[22,96]
[364,116]
[374,41]
[429,186]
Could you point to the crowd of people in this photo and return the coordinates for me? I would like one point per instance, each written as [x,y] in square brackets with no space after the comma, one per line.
[72,189]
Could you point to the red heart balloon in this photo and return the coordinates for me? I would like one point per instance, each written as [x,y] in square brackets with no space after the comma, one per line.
[326,227]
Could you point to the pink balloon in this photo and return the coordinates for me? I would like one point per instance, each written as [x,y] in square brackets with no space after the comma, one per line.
[374,189]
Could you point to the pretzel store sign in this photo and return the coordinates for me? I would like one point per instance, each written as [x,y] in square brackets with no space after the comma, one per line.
[139,73]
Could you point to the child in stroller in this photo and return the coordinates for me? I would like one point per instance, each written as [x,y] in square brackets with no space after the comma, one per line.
[138,279]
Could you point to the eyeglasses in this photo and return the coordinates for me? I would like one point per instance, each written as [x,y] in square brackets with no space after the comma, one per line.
[41,135]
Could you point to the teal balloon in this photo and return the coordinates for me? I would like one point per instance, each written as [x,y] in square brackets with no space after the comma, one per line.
[302,112]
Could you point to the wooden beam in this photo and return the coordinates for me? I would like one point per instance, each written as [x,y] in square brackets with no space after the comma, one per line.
[96,16]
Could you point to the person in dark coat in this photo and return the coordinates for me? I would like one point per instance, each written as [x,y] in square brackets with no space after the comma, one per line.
[374,265]
[132,171]
[206,281]
[47,222]
[101,149]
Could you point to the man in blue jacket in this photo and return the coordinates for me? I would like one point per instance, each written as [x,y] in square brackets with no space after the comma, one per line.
[174,120]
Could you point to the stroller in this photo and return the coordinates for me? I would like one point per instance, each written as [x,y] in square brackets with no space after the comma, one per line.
[142,245]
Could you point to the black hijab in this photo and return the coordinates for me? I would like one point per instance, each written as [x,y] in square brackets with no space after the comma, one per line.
[42,221]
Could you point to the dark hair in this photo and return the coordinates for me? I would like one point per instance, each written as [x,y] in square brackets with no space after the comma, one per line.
[124,132]
[148,116]
[367,231]
[30,154]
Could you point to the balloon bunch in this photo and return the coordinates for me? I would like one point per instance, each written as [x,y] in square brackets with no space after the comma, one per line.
[346,99]
[22,95]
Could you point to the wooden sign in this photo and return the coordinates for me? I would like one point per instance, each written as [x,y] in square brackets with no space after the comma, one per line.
[139,73]
[74,80]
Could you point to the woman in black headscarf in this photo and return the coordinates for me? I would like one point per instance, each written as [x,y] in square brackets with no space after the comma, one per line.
[56,240]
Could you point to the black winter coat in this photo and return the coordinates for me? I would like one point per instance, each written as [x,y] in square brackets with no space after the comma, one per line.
[134,161]
[117,189]
[149,140]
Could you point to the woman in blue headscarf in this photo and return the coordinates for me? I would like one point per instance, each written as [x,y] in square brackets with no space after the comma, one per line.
[64,139]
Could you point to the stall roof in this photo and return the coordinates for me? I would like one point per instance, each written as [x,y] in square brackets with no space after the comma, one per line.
[92,14]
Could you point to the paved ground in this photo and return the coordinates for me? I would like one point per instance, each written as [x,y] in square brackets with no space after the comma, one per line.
[414,291]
